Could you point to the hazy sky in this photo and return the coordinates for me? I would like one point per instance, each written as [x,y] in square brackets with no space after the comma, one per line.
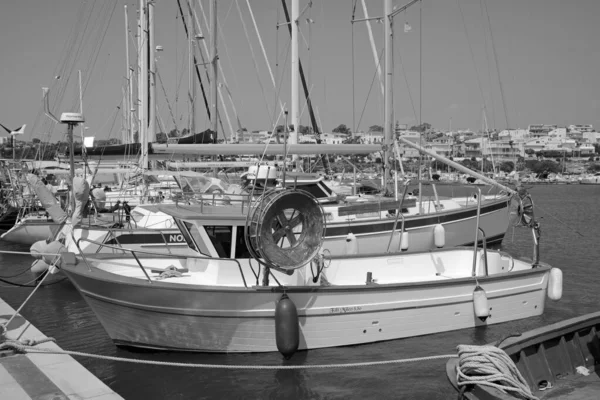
[548,54]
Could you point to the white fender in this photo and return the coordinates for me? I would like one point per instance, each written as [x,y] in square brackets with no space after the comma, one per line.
[351,244]
[404,242]
[555,284]
[480,303]
[439,236]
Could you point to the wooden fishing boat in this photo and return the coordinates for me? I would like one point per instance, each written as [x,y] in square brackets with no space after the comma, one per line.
[260,281]
[558,361]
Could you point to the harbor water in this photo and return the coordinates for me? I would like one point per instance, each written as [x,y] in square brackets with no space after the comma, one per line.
[570,219]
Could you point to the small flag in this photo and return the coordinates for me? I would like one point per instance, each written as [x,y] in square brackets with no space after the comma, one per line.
[407,27]
[88,141]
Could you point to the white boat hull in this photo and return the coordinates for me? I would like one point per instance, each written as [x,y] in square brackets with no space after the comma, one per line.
[27,232]
[226,316]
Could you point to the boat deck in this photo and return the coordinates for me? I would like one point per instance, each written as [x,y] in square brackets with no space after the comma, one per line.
[44,376]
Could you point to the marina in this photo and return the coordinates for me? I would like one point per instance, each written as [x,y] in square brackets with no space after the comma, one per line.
[197,233]
[62,313]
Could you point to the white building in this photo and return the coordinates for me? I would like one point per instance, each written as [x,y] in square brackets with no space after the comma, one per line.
[591,137]
[581,128]
[513,134]
[333,138]
[540,130]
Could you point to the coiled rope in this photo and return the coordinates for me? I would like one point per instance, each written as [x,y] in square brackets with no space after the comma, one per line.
[490,366]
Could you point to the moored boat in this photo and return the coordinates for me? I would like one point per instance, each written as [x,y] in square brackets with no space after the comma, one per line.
[226,299]
[557,361]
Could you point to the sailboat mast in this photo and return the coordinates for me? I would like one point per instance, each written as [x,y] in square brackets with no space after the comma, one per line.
[143,78]
[128,95]
[295,73]
[151,132]
[191,81]
[214,58]
[388,93]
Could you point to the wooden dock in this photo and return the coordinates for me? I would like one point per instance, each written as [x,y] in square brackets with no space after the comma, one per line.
[44,376]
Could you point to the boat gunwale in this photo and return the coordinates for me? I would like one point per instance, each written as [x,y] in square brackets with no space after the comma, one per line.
[115,278]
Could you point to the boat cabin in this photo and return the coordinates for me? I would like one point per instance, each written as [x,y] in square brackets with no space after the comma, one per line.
[213,231]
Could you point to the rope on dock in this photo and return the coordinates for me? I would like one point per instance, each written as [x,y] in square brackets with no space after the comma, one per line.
[490,366]
[26,348]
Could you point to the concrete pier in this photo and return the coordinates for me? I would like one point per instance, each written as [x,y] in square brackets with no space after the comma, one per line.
[44,376]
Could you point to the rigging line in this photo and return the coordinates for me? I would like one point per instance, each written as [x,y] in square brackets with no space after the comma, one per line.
[489,65]
[370,89]
[87,37]
[219,91]
[497,66]
[410,96]
[353,70]
[264,53]
[100,46]
[229,60]
[187,35]
[279,87]
[472,54]
[224,79]
[67,55]
[557,219]
[166,98]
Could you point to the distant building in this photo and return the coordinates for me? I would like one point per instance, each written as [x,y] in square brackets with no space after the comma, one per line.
[591,137]
[333,138]
[540,130]
[513,134]
[413,136]
[581,128]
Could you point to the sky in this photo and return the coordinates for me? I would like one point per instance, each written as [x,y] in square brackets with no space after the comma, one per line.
[540,66]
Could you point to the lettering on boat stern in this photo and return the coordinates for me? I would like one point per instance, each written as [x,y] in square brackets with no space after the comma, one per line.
[344,310]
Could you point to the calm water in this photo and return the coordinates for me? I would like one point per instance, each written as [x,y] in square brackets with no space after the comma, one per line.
[60,312]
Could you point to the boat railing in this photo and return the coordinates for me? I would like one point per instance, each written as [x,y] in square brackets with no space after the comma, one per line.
[135,254]
[478,229]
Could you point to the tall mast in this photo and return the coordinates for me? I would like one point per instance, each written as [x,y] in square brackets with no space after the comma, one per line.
[143,82]
[388,95]
[140,41]
[143,79]
[295,71]
[151,132]
[191,81]
[129,91]
[214,60]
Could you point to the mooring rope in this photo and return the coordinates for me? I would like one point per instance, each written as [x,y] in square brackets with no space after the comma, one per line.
[490,366]
[24,346]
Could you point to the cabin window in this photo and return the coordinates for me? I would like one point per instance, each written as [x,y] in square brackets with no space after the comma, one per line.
[326,189]
[195,234]
[186,235]
[241,251]
[220,236]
